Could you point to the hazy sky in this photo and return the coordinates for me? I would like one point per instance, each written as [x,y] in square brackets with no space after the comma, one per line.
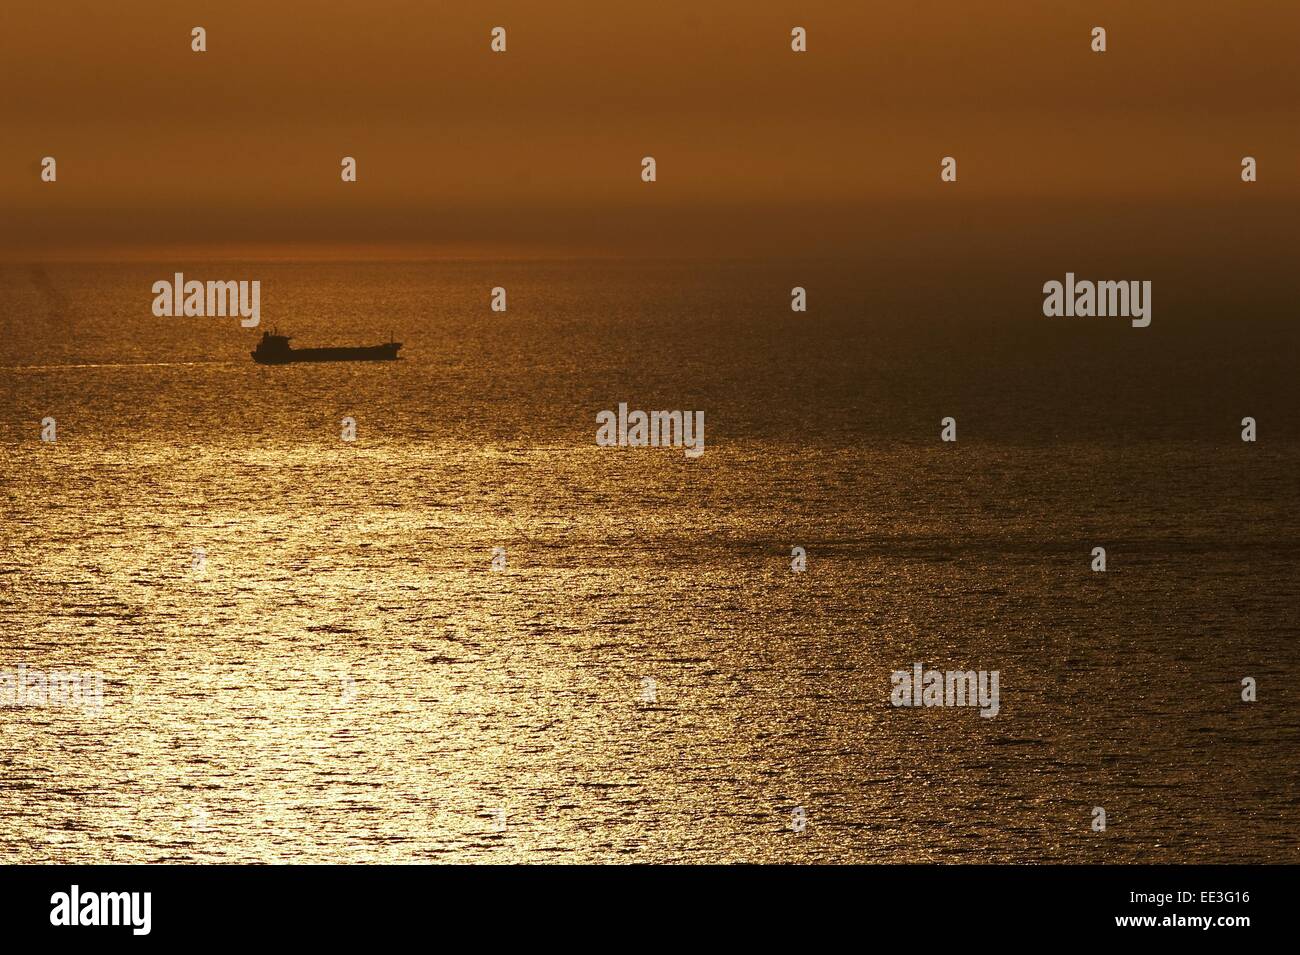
[539,149]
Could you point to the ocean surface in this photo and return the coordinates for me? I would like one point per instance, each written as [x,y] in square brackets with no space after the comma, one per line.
[344,677]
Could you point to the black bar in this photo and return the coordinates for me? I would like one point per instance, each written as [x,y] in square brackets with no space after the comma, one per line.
[941,904]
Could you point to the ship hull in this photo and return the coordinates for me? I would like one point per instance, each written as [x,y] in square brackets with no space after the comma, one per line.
[294,355]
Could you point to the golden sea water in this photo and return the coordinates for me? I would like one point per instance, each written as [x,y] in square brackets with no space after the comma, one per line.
[349,680]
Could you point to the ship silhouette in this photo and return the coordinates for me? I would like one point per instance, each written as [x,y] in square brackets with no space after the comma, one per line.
[274,349]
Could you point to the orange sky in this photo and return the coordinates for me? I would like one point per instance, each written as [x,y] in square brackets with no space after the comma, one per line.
[539,149]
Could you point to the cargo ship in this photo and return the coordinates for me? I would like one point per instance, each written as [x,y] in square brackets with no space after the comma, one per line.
[274,349]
